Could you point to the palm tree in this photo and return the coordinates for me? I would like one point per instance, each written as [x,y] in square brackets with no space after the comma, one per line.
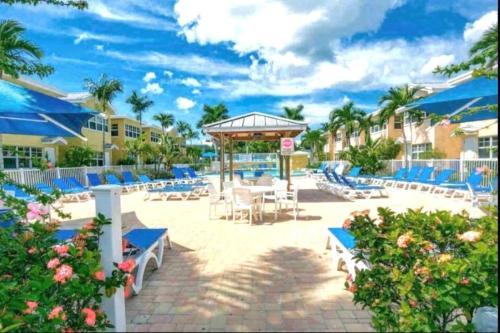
[315,140]
[17,55]
[139,105]
[365,126]
[183,128]
[293,113]
[212,114]
[191,135]
[104,91]
[483,56]
[349,117]
[396,98]
[168,150]
[165,119]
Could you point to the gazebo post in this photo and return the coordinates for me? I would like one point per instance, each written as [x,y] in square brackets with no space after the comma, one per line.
[222,162]
[231,170]
[281,165]
[287,165]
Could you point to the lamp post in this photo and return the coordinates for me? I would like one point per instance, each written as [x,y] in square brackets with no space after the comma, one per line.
[103,116]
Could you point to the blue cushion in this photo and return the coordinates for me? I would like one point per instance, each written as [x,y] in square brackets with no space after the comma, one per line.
[144,238]
[344,237]
[65,234]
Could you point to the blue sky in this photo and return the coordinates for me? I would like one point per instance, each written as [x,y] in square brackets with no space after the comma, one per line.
[254,55]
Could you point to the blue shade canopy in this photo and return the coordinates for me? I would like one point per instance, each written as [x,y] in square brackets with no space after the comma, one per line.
[28,112]
[209,154]
[474,93]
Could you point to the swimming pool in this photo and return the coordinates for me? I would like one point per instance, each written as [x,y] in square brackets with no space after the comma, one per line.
[271,172]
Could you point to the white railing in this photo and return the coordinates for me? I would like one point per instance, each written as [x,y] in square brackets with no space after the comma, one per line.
[463,168]
[35,176]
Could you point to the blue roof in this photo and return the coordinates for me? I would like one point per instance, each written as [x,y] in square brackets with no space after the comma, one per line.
[28,112]
[450,100]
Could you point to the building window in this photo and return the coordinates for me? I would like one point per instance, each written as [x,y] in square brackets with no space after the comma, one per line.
[413,120]
[155,137]
[96,124]
[377,128]
[398,121]
[20,157]
[132,131]
[338,137]
[114,129]
[355,134]
[418,150]
[98,159]
[488,147]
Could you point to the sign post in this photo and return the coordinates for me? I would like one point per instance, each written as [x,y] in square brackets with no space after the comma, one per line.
[287,149]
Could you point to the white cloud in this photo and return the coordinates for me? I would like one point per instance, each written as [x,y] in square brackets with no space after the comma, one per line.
[189,63]
[81,36]
[474,31]
[442,60]
[99,47]
[153,88]
[196,91]
[191,82]
[168,74]
[184,103]
[149,77]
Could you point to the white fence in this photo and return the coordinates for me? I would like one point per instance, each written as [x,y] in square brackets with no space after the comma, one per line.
[35,176]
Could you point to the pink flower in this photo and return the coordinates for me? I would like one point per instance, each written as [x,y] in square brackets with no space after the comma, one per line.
[31,307]
[470,236]
[53,263]
[352,288]
[464,282]
[56,312]
[349,278]
[127,292]
[32,250]
[127,266]
[90,316]
[36,211]
[89,226]
[100,275]
[347,224]
[404,240]
[62,250]
[130,280]
[63,273]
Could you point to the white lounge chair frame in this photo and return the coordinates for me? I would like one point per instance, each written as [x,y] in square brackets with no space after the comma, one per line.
[340,252]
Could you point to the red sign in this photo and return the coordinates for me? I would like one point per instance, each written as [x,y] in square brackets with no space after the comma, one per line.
[287,146]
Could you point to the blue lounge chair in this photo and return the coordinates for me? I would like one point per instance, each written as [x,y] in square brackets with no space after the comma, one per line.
[180,176]
[343,243]
[412,175]
[113,180]
[239,173]
[94,179]
[194,176]
[44,188]
[75,183]
[17,192]
[366,191]
[474,180]
[69,192]
[489,193]
[399,175]
[425,175]
[354,173]
[154,183]
[258,173]
[182,191]
[128,179]
[441,178]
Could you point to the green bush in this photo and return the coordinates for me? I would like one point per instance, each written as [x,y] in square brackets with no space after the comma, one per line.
[78,156]
[371,156]
[432,154]
[388,149]
[428,271]
[47,285]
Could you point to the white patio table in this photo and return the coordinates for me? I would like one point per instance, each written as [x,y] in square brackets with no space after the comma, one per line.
[258,191]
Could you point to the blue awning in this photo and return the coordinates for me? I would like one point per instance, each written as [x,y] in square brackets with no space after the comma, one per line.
[28,112]
[474,93]
[209,154]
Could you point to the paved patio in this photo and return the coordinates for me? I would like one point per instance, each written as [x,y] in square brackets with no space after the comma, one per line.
[273,276]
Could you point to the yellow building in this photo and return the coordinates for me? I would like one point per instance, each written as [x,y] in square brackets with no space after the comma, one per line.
[478,139]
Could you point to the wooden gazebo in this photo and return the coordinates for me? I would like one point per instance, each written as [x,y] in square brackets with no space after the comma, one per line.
[253,126]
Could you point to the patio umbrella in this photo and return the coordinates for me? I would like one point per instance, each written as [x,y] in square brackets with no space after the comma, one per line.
[209,154]
[27,112]
[475,93]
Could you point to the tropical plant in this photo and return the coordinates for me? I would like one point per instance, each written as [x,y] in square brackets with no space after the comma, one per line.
[432,154]
[104,90]
[78,156]
[387,149]
[483,57]
[49,285]
[19,56]
[429,271]
[165,119]
[79,4]
[293,113]
[365,126]
[183,128]
[396,98]
[191,135]
[347,117]
[138,149]
[194,153]
[366,156]
[315,140]
[212,114]
[168,151]
[139,105]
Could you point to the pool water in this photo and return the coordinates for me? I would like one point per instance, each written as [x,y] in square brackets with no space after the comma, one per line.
[271,172]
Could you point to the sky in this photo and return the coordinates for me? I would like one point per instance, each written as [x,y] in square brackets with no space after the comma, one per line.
[254,55]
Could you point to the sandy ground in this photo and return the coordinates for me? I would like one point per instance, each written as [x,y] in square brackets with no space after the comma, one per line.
[273,275]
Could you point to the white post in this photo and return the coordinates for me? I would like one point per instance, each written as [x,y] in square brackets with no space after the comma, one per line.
[86,179]
[107,198]
[58,172]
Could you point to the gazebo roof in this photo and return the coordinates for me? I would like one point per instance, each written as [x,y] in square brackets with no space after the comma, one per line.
[255,126]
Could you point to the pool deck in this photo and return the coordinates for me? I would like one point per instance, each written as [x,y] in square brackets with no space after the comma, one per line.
[272,276]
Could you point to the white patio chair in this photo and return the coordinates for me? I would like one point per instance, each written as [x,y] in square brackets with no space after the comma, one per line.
[243,200]
[264,180]
[215,198]
[286,198]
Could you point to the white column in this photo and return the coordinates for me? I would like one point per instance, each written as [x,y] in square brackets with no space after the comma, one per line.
[107,198]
